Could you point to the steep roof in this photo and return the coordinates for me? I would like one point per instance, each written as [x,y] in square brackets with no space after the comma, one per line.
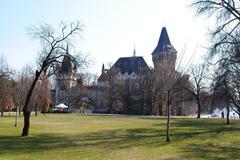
[68,63]
[103,77]
[131,64]
[164,44]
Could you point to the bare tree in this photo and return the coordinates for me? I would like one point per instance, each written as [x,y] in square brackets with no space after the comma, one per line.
[170,84]
[198,86]
[235,91]
[41,95]
[45,95]
[225,43]
[110,86]
[88,79]
[54,44]
[148,92]
[5,94]
[24,79]
[223,87]
[5,84]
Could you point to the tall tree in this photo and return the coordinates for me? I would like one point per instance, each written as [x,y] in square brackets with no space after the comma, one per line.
[147,92]
[110,85]
[225,43]
[170,84]
[222,87]
[235,91]
[5,84]
[54,44]
[198,87]
[24,79]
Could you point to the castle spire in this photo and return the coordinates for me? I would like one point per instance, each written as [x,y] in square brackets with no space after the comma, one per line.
[134,51]
[67,50]
[103,68]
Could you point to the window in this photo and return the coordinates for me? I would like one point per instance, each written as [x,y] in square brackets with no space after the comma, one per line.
[137,86]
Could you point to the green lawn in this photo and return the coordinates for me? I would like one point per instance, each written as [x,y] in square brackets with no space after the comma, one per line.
[107,137]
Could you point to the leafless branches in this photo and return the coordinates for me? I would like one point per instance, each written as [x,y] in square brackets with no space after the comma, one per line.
[197,88]
[227,13]
[53,50]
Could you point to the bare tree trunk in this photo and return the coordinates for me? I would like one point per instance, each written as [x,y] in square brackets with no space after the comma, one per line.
[2,111]
[16,118]
[160,112]
[26,112]
[166,112]
[168,122]
[168,116]
[26,115]
[20,110]
[227,104]
[199,110]
[36,109]
[228,110]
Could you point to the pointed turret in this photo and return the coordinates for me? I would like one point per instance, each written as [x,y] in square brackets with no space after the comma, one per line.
[164,45]
[164,50]
[134,52]
[68,63]
[103,68]
[67,52]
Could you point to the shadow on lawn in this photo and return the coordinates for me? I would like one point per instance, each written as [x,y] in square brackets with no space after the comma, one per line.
[108,140]
[211,151]
[215,147]
[104,140]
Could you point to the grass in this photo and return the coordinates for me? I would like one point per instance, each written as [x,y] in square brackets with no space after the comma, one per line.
[115,137]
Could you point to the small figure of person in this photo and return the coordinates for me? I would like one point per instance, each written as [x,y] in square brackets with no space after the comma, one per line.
[222,115]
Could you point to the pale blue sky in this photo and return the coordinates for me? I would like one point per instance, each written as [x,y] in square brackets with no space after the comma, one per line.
[111,27]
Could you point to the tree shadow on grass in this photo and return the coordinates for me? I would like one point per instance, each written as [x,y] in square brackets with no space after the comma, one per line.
[102,140]
[208,135]
[117,139]
[211,151]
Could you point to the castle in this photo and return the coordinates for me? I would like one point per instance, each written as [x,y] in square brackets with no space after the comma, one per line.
[123,88]
[127,85]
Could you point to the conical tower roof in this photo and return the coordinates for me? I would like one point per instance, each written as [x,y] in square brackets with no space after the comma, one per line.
[68,63]
[164,45]
[103,68]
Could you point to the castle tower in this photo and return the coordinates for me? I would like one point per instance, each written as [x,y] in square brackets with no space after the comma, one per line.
[164,52]
[68,71]
[66,79]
